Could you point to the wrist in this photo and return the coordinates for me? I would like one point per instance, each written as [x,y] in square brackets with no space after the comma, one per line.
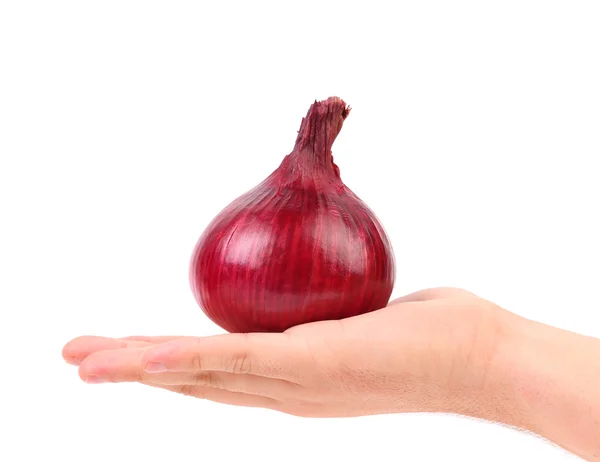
[545,380]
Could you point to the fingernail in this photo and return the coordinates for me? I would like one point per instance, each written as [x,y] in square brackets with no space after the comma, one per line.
[155,367]
[92,379]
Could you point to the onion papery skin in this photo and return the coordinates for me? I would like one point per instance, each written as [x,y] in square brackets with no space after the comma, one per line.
[299,247]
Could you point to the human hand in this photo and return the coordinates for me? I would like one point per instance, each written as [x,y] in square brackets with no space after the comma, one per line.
[429,351]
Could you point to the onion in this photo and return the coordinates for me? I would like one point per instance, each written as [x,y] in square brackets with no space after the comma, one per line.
[297,248]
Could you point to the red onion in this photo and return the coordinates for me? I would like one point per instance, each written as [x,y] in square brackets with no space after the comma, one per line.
[299,247]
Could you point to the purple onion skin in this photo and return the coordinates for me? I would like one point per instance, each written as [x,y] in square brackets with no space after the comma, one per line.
[299,247]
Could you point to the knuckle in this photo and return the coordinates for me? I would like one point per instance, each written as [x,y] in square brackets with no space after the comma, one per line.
[197,362]
[208,379]
[214,381]
[241,364]
[187,390]
[199,379]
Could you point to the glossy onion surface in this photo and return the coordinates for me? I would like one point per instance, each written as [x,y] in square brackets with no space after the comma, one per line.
[299,247]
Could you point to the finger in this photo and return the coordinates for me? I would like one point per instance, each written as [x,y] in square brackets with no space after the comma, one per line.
[269,355]
[237,383]
[222,396]
[153,339]
[101,366]
[431,294]
[124,365]
[75,351]
[79,348]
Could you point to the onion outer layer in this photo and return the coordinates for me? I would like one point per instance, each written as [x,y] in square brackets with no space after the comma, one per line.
[299,247]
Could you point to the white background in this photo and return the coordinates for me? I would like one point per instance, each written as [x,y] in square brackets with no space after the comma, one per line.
[126,126]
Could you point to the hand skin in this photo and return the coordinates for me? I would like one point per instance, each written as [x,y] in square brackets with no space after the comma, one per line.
[438,350]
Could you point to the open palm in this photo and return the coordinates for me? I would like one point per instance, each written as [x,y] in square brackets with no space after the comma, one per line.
[423,352]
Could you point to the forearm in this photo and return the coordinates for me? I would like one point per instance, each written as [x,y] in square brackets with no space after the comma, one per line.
[547,381]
